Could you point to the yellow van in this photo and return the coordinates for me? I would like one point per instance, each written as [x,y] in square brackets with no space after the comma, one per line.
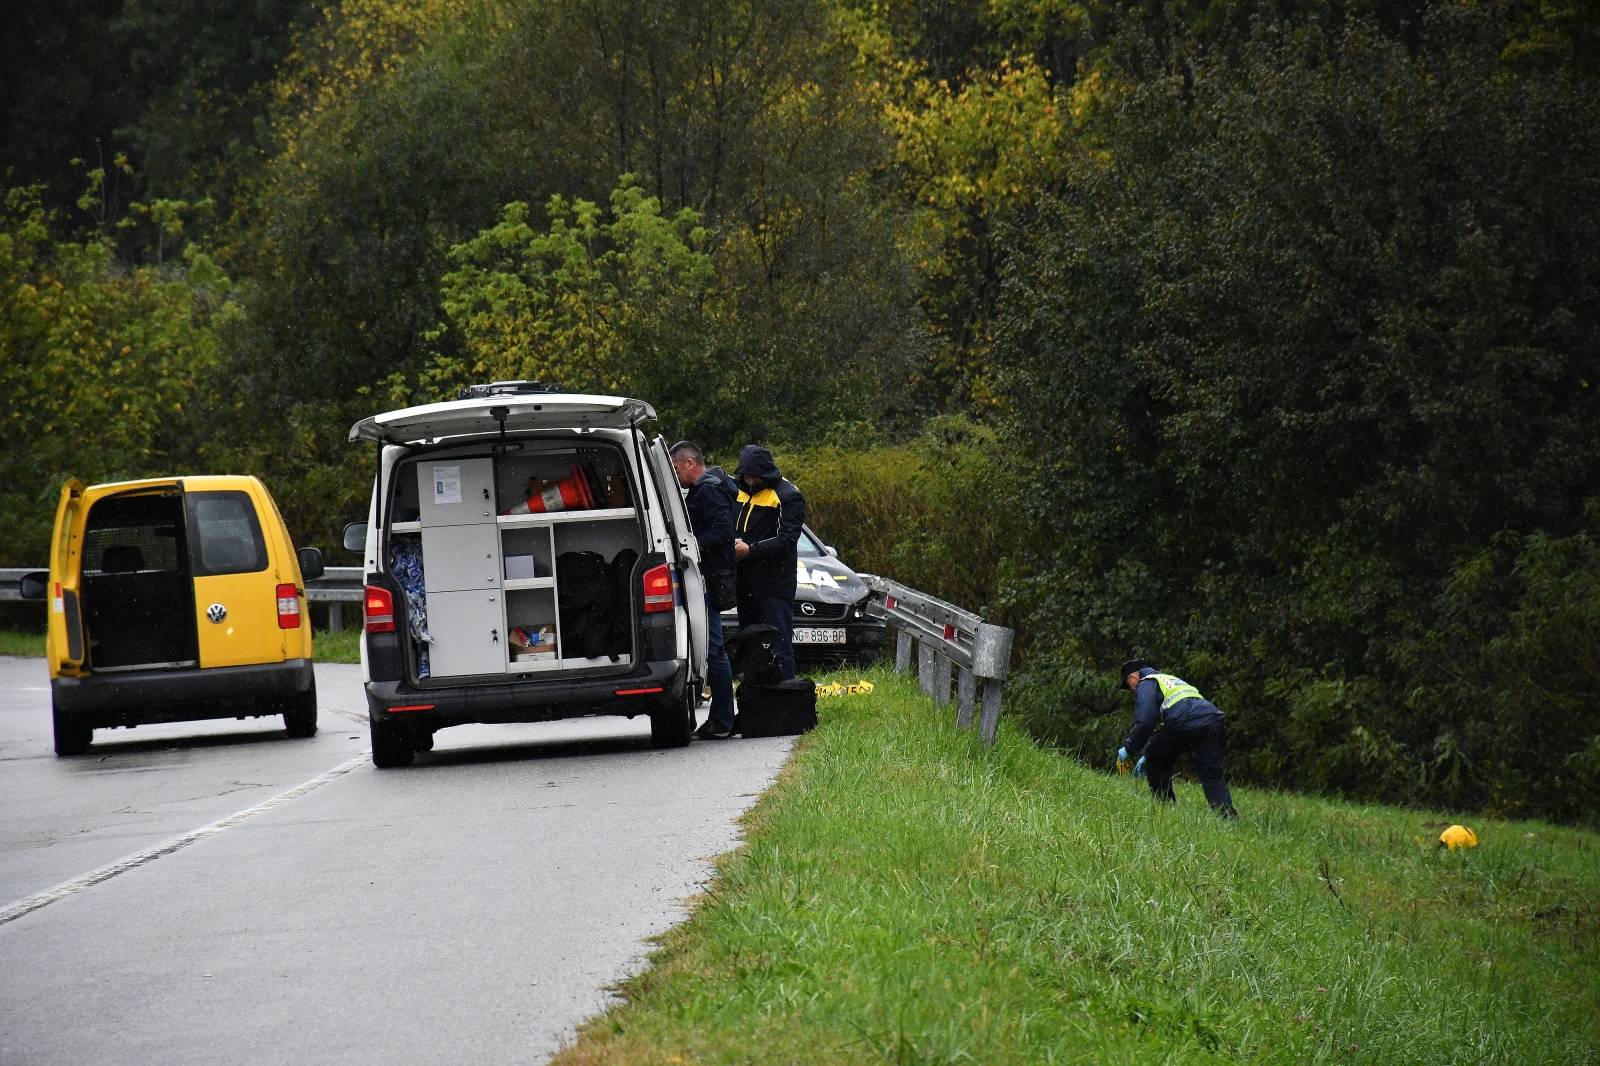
[175,599]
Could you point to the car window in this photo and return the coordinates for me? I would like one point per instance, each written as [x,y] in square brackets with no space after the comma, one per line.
[225,534]
[808,545]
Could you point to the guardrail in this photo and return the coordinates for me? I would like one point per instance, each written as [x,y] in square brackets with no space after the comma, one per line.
[338,585]
[946,637]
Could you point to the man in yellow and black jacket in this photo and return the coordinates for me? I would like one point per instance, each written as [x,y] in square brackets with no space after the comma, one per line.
[767,533]
[1170,717]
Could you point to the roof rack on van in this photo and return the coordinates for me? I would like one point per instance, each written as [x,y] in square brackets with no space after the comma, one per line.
[507,388]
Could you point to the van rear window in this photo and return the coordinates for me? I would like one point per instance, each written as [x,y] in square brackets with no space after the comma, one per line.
[132,534]
[225,534]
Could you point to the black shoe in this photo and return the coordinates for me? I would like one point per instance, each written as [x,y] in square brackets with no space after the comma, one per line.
[711,731]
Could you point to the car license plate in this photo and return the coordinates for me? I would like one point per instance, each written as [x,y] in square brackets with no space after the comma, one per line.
[818,635]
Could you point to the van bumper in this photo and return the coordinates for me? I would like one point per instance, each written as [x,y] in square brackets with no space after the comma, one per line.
[528,701]
[143,697]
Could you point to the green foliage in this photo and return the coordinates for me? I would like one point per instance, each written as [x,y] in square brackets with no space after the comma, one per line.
[1515,635]
[102,363]
[598,306]
[927,512]
[1320,323]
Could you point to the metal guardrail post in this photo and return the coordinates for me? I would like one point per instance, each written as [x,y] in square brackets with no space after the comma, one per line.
[966,698]
[991,658]
[946,638]
[925,666]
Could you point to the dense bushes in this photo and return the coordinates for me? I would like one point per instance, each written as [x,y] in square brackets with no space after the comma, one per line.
[1307,360]
[933,513]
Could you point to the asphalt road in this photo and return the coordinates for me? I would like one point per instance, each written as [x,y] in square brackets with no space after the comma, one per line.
[214,891]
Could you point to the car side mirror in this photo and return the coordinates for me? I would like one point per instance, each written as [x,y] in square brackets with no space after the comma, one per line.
[831,550]
[355,537]
[311,566]
[34,586]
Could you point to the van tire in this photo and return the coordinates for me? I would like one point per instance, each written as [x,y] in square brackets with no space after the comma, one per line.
[672,726]
[392,746]
[300,719]
[70,737]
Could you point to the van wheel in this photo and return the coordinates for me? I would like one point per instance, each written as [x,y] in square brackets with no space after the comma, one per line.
[300,720]
[672,725]
[71,738]
[391,746]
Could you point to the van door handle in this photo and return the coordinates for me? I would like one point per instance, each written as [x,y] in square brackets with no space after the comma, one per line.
[494,636]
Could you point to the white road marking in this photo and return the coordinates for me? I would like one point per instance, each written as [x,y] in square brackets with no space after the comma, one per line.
[150,854]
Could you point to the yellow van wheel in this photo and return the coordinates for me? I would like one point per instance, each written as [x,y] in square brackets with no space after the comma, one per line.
[300,717]
[71,738]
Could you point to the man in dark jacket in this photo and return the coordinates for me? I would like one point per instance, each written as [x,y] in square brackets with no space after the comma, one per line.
[1170,717]
[767,533]
[711,511]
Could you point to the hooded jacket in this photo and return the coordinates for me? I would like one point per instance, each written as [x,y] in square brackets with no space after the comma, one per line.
[769,519]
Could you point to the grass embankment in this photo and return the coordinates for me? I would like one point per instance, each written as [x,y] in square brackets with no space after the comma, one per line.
[342,647]
[904,897]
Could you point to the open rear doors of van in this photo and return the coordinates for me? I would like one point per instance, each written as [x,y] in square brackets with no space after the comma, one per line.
[65,640]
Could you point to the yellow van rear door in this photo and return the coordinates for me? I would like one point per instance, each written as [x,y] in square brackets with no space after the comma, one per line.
[235,586]
[66,614]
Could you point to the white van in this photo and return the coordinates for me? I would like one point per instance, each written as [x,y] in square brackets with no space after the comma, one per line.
[528,558]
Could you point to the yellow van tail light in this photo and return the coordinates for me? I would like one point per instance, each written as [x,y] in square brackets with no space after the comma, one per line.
[288,607]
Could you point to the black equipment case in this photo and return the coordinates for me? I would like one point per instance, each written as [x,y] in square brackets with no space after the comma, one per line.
[753,653]
[776,708]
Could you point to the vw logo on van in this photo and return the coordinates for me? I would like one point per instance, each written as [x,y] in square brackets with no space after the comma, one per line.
[216,612]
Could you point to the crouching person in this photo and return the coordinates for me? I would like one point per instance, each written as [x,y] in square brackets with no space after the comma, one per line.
[1170,717]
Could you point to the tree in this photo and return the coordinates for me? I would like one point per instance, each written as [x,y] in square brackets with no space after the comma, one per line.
[103,364]
[587,303]
[1315,326]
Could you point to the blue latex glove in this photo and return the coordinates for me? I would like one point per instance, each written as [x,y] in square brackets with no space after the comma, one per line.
[1122,754]
[1138,767]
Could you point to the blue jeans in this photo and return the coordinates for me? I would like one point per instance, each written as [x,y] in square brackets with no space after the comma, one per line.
[778,613]
[719,674]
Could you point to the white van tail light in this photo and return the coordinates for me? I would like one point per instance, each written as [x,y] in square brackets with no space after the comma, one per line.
[658,589]
[379,607]
[288,607]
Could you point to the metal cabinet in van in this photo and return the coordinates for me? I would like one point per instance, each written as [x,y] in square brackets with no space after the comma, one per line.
[174,599]
[528,557]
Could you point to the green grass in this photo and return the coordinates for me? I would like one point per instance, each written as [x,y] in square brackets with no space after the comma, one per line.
[903,897]
[21,642]
[342,647]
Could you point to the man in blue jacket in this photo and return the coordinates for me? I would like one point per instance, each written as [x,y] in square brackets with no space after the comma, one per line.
[767,534]
[1170,717]
[710,501]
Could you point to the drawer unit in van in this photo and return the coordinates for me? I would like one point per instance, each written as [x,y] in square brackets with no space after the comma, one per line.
[459,558]
[455,492]
[469,633]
